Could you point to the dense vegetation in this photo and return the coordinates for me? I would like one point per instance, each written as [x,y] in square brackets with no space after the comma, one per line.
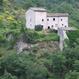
[45,65]
[31,64]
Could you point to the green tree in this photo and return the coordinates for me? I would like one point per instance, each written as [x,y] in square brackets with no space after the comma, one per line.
[72,75]
[23,66]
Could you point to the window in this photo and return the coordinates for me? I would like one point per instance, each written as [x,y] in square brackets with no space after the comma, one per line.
[61,19]
[42,19]
[52,25]
[53,19]
[62,24]
[65,26]
[48,27]
[47,19]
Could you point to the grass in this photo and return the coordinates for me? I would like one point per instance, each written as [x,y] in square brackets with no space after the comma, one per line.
[5,51]
[49,37]
[42,36]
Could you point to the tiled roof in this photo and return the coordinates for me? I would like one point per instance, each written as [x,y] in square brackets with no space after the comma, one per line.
[57,14]
[38,9]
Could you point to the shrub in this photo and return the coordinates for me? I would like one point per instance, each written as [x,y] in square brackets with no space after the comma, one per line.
[38,27]
[7,76]
[72,75]
[73,38]
[23,66]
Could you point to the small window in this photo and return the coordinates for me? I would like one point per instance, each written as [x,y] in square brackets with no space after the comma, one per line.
[53,19]
[42,19]
[48,27]
[52,25]
[47,19]
[65,26]
[61,19]
[62,24]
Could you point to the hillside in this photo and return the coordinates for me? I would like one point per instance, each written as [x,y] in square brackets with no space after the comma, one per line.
[43,60]
[68,6]
[12,14]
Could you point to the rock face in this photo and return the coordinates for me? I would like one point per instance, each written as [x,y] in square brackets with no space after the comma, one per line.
[20,46]
[50,46]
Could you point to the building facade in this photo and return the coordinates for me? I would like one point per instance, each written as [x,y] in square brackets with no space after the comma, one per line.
[40,16]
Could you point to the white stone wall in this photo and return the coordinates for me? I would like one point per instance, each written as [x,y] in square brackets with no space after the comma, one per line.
[55,22]
[52,22]
[30,19]
[63,21]
[40,19]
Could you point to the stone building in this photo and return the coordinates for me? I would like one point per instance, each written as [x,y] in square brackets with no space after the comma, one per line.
[40,16]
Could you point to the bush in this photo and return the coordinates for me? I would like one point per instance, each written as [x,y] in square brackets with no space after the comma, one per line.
[7,76]
[73,38]
[23,66]
[72,75]
[38,27]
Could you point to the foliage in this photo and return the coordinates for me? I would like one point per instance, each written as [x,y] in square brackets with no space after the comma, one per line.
[38,27]
[45,65]
[12,17]
[7,76]
[72,75]
[23,66]
[57,65]
[32,36]
[73,38]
